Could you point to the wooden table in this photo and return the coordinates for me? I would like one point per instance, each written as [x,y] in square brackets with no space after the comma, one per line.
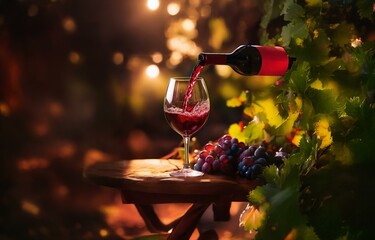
[145,182]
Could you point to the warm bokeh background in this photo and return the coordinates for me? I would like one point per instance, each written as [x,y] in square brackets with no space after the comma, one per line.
[83,81]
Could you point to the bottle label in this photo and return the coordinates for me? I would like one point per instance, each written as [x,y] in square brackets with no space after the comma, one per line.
[274,61]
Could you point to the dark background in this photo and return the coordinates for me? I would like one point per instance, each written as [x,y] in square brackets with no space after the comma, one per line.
[64,104]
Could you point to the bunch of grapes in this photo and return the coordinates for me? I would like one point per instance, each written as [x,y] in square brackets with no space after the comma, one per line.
[220,157]
[253,161]
[229,156]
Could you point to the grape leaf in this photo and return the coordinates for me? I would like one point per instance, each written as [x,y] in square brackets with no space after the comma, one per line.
[342,34]
[323,101]
[254,132]
[293,12]
[352,107]
[294,30]
[314,50]
[272,10]
[300,77]
[257,196]
[286,5]
[366,9]
[271,174]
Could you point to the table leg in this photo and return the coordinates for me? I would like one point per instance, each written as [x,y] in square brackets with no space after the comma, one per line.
[152,220]
[221,210]
[188,222]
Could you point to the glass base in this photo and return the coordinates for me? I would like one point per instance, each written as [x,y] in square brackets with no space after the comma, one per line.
[186,172]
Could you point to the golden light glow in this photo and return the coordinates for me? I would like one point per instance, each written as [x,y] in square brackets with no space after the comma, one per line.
[157,57]
[184,46]
[33,163]
[153,4]
[103,232]
[30,207]
[173,8]
[175,58]
[188,25]
[118,58]
[152,71]
[74,57]
[4,109]
[356,42]
[69,24]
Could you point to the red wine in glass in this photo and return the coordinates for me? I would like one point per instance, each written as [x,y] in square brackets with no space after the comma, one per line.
[187,122]
[186,115]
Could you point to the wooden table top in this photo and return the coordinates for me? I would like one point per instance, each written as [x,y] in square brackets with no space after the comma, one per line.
[151,176]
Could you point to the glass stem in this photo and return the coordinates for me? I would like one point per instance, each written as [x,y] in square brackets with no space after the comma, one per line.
[187,147]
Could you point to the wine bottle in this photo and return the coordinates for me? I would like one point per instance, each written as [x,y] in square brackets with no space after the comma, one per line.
[251,60]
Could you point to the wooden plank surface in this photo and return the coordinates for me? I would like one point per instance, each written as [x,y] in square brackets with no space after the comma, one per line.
[151,176]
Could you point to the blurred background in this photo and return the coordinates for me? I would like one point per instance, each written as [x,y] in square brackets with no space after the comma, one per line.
[83,81]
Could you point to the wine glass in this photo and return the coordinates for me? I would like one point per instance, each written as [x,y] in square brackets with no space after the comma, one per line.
[186,108]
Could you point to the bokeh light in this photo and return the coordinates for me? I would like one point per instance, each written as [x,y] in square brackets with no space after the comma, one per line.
[157,57]
[118,58]
[173,8]
[69,24]
[175,58]
[188,25]
[153,4]
[74,57]
[152,71]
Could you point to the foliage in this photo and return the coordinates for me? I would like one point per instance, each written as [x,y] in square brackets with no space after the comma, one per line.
[326,106]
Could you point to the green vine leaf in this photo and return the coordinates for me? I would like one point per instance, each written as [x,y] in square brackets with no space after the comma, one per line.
[300,77]
[294,30]
[366,9]
[294,12]
[343,33]
[323,101]
[315,49]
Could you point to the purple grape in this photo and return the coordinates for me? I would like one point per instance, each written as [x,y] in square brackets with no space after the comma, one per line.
[257,169]
[203,154]
[200,161]
[247,161]
[197,167]
[222,158]
[206,168]
[260,152]
[261,161]
[209,159]
[249,174]
[216,165]
[234,140]
[234,147]
[252,149]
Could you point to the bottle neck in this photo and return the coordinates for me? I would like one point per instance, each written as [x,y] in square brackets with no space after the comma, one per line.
[213,58]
